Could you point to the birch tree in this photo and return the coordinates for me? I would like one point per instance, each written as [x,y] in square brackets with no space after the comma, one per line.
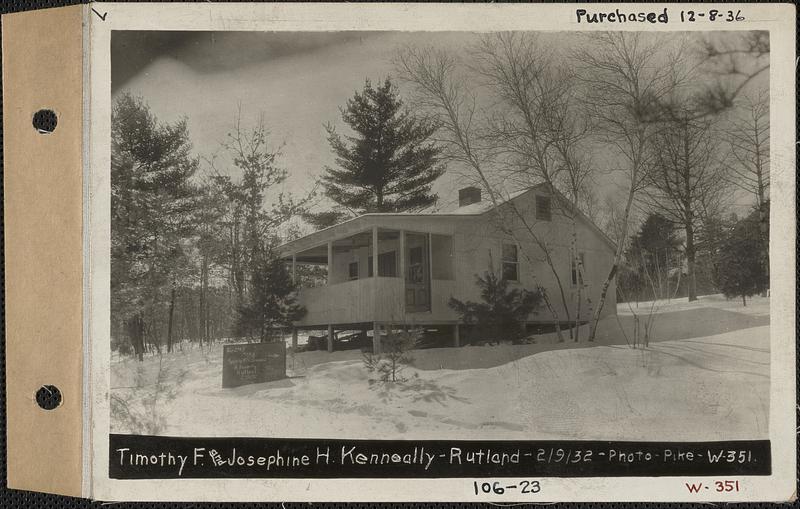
[440,93]
[538,126]
[626,76]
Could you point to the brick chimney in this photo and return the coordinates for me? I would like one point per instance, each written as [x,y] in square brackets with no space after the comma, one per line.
[468,196]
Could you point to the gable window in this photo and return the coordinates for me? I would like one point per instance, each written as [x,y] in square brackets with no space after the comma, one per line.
[577,275]
[510,262]
[543,212]
[352,270]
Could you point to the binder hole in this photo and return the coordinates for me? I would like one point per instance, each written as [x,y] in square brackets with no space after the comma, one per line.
[45,121]
[48,397]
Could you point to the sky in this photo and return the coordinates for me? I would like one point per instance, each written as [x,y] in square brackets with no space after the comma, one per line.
[297,80]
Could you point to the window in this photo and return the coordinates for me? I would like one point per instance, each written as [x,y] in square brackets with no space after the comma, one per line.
[543,208]
[510,263]
[352,270]
[576,274]
[442,254]
[387,264]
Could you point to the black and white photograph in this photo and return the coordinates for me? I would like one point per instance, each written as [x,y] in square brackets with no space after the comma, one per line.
[399,235]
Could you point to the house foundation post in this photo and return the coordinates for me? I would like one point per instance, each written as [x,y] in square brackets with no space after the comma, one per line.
[330,338]
[456,336]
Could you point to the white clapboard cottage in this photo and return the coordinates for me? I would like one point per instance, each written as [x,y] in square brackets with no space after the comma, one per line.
[423,259]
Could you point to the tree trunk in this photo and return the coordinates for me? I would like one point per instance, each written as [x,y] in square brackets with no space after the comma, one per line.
[691,283]
[578,279]
[171,316]
[135,328]
[615,266]
[763,228]
[204,300]
[200,316]
[744,300]
[237,270]
[140,333]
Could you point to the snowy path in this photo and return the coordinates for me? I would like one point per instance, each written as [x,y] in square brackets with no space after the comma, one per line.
[683,387]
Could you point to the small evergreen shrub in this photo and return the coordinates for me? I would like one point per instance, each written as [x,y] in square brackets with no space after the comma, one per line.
[395,356]
[503,312]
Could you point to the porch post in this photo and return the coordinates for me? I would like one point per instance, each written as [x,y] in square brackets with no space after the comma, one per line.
[402,262]
[430,271]
[294,338]
[330,338]
[294,267]
[376,338]
[375,254]
[430,258]
[330,262]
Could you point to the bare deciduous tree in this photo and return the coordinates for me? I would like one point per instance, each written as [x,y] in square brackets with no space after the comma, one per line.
[748,143]
[626,77]
[439,93]
[748,140]
[686,181]
[254,206]
[536,125]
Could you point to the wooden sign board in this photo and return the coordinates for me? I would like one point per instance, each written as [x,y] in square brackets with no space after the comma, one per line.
[253,363]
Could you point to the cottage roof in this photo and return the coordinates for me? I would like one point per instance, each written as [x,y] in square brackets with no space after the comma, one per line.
[473,209]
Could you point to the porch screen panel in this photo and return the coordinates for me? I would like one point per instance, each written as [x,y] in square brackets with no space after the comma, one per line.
[442,257]
[387,264]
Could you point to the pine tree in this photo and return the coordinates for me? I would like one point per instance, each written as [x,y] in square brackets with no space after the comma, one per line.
[711,241]
[153,201]
[271,302]
[389,165]
[740,272]
[658,239]
[649,260]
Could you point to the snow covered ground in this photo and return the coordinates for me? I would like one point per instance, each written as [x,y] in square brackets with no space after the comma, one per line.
[704,376]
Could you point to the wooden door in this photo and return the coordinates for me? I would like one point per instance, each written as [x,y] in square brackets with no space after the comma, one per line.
[418,273]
